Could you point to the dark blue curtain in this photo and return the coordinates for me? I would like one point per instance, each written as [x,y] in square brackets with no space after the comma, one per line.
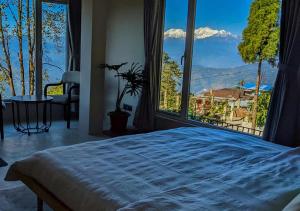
[74,29]
[153,37]
[283,123]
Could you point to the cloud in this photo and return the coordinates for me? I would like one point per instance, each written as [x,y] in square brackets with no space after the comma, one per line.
[200,33]
[175,33]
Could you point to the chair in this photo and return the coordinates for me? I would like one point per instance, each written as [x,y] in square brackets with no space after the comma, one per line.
[70,81]
[3,106]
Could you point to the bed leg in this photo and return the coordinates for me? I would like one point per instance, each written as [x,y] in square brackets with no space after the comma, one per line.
[39,204]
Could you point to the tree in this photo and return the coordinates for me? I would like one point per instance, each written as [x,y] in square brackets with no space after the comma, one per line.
[5,35]
[31,41]
[53,90]
[17,26]
[262,108]
[218,110]
[169,82]
[260,40]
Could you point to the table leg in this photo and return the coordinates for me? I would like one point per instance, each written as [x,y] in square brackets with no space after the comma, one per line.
[13,114]
[29,128]
[18,115]
[37,116]
[50,122]
[27,118]
[45,113]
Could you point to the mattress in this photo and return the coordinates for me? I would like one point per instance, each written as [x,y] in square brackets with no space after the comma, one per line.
[179,169]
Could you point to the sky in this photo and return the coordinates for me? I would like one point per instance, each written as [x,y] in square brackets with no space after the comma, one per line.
[229,15]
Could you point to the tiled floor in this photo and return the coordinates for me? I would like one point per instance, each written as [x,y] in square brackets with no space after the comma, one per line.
[16,146]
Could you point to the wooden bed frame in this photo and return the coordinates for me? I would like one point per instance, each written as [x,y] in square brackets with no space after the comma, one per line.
[43,195]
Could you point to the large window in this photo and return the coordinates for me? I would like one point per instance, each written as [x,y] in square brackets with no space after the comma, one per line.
[230,61]
[18,36]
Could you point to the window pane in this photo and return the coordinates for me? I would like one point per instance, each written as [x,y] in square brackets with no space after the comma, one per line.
[16,48]
[54,44]
[174,47]
[225,66]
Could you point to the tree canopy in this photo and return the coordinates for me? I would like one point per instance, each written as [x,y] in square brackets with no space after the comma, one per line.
[169,84]
[261,37]
[260,41]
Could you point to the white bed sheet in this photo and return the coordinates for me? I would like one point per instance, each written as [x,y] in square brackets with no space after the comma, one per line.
[180,169]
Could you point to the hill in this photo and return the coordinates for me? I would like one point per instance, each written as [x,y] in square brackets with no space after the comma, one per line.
[216,60]
[206,78]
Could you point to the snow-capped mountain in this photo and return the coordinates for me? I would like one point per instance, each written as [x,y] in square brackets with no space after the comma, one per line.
[200,33]
[216,59]
[212,47]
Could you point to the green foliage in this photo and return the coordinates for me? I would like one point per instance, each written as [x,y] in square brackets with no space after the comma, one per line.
[262,109]
[261,37]
[261,40]
[55,90]
[133,77]
[170,77]
[192,106]
[2,82]
[54,20]
[217,110]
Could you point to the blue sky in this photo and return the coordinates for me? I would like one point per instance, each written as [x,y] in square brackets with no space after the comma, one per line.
[230,15]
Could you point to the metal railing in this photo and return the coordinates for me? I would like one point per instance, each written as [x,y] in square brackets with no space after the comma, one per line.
[223,124]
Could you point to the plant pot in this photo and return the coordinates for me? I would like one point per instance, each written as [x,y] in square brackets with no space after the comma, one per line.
[118,121]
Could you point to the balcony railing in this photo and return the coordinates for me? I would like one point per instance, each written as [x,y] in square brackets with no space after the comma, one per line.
[223,124]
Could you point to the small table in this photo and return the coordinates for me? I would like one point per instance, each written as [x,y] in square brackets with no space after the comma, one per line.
[35,101]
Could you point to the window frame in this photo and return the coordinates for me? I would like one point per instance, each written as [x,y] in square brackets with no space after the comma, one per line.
[188,58]
[182,117]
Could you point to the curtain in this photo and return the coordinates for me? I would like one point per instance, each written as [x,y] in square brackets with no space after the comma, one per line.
[153,37]
[74,31]
[283,123]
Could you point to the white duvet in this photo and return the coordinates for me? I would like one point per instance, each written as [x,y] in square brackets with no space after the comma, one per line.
[180,169]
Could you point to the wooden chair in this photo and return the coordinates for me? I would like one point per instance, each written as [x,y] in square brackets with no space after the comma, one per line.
[3,106]
[70,81]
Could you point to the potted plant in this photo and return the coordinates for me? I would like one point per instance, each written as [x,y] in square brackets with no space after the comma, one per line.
[134,80]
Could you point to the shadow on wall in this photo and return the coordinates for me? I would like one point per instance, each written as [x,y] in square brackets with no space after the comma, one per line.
[125,43]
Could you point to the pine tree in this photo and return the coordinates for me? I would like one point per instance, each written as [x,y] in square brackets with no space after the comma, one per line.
[169,83]
[260,40]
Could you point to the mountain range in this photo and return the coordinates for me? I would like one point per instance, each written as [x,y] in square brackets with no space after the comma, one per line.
[206,78]
[216,60]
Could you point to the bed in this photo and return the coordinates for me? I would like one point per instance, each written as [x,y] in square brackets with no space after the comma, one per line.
[179,169]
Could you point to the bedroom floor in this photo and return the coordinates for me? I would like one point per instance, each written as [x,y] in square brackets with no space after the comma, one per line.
[16,146]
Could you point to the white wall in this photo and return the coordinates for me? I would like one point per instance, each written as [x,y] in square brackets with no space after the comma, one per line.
[125,43]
